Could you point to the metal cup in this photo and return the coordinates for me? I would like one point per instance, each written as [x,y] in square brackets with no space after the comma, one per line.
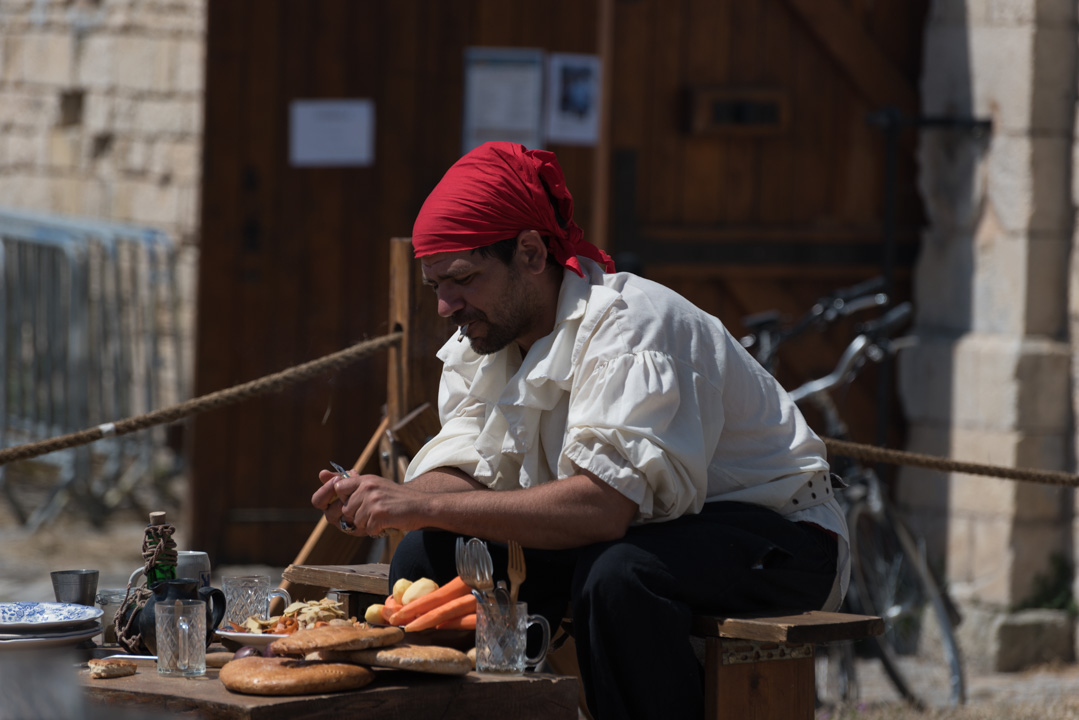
[75,586]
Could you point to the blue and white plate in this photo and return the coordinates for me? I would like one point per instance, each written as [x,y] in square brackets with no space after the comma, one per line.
[40,616]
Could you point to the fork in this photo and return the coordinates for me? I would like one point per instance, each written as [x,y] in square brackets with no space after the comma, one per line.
[516,569]
[482,567]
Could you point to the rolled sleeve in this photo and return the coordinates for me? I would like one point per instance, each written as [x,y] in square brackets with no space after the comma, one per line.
[647,426]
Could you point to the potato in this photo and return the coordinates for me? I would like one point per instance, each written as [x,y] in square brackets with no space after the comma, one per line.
[418,589]
[374,614]
[399,588]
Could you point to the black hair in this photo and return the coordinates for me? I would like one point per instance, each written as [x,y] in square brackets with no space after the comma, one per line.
[504,250]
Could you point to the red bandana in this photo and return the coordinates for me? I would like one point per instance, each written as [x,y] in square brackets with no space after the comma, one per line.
[493,193]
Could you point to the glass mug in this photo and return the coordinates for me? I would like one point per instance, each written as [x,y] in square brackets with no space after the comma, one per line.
[250,595]
[181,638]
[501,634]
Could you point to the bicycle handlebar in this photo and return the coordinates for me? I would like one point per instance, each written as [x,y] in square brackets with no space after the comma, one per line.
[870,335]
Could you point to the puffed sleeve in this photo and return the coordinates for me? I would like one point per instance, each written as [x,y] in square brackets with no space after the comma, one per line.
[462,418]
[648,426]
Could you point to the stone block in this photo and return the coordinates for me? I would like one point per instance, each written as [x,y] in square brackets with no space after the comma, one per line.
[46,58]
[989,560]
[1000,75]
[943,275]
[97,62]
[983,497]
[1033,637]
[1000,282]
[22,149]
[1026,182]
[154,117]
[190,62]
[97,113]
[178,159]
[1047,259]
[1034,544]
[187,211]
[1053,94]
[1040,12]
[64,148]
[1005,383]
[144,63]
[145,202]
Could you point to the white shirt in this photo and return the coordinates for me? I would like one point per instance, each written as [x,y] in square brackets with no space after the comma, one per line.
[643,389]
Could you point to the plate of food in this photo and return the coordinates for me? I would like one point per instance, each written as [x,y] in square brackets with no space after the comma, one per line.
[260,632]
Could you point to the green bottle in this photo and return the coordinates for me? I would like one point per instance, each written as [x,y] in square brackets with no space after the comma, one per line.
[159,550]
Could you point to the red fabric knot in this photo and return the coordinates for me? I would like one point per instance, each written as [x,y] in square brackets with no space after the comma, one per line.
[493,193]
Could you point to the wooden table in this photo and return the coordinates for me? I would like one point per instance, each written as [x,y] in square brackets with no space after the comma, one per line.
[393,694]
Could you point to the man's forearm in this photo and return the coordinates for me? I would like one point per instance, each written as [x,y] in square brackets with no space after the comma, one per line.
[444,480]
[566,513]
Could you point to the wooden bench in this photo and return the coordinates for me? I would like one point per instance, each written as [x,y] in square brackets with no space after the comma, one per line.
[757,667]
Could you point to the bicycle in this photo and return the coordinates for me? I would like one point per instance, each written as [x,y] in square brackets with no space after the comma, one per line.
[890,576]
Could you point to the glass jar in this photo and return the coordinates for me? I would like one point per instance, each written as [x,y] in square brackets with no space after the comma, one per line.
[109,599]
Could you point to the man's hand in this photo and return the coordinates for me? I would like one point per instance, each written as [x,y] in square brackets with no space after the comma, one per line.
[369,503]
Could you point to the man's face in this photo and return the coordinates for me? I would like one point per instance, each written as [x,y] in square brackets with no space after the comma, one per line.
[495,301]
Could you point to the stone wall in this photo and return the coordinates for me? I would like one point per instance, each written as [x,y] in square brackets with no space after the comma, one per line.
[101,115]
[990,381]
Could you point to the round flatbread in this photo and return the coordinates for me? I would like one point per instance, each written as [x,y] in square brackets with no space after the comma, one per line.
[336,637]
[420,658]
[255,675]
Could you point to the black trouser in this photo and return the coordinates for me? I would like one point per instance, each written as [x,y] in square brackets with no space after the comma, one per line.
[632,599]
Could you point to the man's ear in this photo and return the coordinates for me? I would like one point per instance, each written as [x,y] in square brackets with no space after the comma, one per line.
[531,251]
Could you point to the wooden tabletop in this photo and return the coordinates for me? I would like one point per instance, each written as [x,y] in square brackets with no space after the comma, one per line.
[394,693]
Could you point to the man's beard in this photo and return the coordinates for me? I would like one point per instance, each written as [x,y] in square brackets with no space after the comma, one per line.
[514,318]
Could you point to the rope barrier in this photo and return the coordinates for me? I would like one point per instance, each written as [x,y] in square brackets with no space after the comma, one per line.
[343,358]
[210,401]
[872,453]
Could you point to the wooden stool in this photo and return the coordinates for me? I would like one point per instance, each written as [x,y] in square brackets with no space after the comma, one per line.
[762,667]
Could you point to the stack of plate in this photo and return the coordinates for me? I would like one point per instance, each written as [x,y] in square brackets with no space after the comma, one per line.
[35,625]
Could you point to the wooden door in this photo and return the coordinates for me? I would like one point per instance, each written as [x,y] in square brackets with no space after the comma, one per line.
[745,171]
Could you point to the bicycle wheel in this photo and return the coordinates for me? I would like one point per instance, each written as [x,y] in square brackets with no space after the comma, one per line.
[918,648]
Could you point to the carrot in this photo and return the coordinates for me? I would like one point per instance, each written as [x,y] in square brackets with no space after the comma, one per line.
[453,589]
[449,610]
[464,622]
[389,607]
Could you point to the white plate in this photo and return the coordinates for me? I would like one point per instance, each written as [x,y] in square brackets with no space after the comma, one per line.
[54,640]
[38,616]
[259,640]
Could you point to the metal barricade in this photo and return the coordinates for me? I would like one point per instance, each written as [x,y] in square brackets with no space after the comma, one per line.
[90,334]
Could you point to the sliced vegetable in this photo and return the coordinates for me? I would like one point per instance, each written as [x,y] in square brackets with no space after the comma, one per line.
[464,622]
[453,589]
[455,608]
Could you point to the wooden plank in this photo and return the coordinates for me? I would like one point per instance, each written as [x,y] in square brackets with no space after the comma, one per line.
[857,54]
[373,578]
[397,694]
[776,690]
[807,627]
